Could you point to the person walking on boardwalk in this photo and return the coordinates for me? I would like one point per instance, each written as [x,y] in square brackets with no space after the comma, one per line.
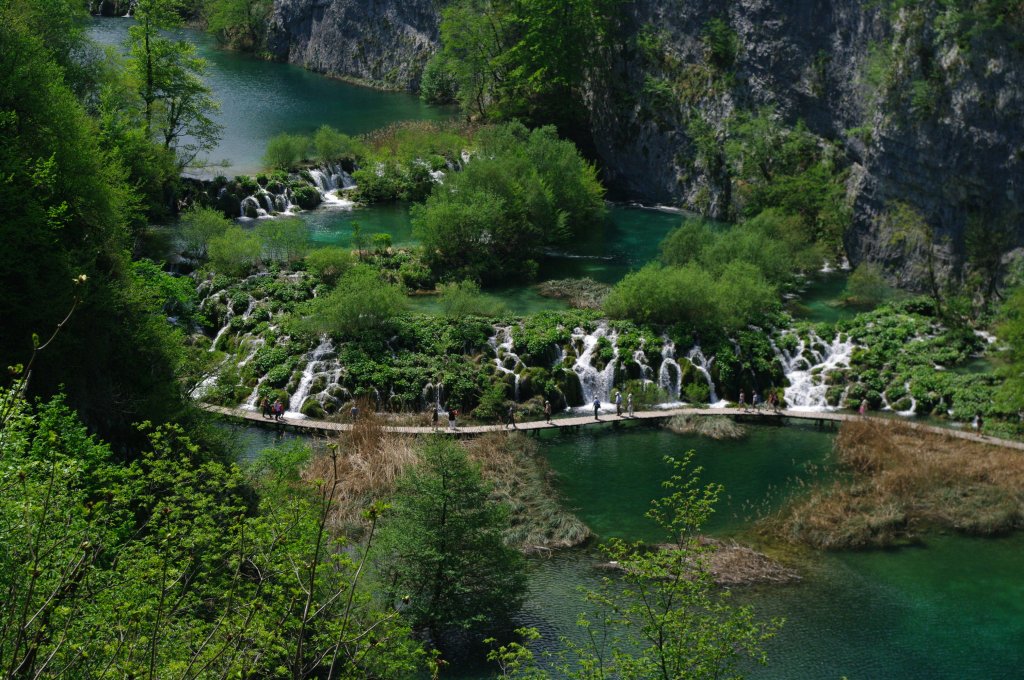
[265,406]
[278,409]
[547,411]
[433,419]
[452,414]
[629,404]
[743,401]
[618,404]
[355,412]
[863,408]
[511,417]
[756,401]
[597,407]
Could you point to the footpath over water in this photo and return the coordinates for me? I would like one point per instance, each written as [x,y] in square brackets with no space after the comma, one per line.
[327,427]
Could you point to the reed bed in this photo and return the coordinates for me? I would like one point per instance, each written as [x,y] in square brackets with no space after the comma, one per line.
[898,482]
[370,462]
[715,427]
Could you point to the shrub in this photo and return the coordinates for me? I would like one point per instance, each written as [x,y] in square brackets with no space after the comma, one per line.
[330,145]
[867,286]
[361,304]
[235,252]
[306,197]
[199,226]
[285,151]
[330,264]
[438,84]
[284,239]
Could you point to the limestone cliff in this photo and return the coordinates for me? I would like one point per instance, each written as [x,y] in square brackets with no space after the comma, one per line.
[384,43]
[937,126]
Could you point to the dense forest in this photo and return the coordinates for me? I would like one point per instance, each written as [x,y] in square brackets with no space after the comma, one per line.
[136,541]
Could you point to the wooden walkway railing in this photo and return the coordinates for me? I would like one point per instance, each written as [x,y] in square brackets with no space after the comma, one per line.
[569,423]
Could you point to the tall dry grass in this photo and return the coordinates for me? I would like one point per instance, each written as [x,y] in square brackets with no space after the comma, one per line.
[370,462]
[715,427]
[899,481]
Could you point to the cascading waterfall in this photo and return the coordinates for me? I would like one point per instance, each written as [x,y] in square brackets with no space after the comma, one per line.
[501,342]
[670,375]
[640,359]
[703,366]
[251,208]
[321,364]
[595,383]
[328,180]
[227,321]
[807,367]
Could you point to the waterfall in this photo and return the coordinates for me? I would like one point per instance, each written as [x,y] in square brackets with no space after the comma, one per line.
[501,342]
[640,359]
[319,365]
[328,180]
[433,395]
[250,208]
[703,365]
[595,383]
[670,375]
[807,367]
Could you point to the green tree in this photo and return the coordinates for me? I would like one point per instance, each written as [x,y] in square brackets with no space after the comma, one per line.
[235,252]
[666,617]
[285,239]
[285,151]
[330,264]
[199,226]
[462,299]
[867,286]
[523,59]
[524,190]
[442,546]
[177,104]
[331,145]
[361,304]
[240,24]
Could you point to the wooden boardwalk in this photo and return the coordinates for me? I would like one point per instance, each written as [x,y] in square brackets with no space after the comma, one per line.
[326,427]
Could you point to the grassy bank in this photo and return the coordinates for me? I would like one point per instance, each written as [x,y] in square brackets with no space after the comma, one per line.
[897,483]
[374,460]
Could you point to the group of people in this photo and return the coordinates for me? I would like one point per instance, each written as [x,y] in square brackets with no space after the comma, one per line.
[272,409]
[453,414]
[618,406]
[772,402]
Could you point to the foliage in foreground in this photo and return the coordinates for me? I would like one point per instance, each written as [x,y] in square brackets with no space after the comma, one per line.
[169,567]
[442,552]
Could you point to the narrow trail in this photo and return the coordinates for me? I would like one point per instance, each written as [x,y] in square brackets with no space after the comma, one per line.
[328,427]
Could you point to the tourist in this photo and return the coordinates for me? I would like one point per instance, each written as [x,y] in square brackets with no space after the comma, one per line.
[978,423]
[355,412]
[511,417]
[755,399]
[278,410]
[547,410]
[433,418]
[629,404]
[618,404]
[743,401]
[452,413]
[863,407]
[597,407]
[265,406]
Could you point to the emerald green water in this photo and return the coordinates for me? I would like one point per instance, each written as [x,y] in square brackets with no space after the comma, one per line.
[259,99]
[952,608]
[820,299]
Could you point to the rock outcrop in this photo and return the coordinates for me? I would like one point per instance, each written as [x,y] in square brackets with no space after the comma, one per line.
[942,134]
[377,42]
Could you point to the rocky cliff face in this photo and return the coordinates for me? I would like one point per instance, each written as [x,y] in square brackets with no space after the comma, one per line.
[384,43]
[939,130]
